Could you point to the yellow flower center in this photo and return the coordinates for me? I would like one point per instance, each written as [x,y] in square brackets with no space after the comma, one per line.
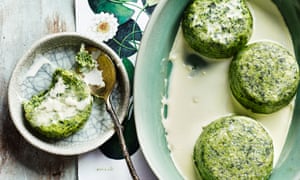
[103,27]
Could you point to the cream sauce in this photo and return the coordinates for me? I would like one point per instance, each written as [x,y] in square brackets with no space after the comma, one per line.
[198,96]
[56,107]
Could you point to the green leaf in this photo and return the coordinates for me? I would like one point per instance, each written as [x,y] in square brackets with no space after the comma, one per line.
[125,43]
[112,148]
[130,71]
[116,7]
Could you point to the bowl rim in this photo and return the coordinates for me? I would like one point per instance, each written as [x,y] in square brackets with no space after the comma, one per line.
[160,173]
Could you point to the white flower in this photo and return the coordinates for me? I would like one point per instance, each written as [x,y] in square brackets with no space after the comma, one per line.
[104,26]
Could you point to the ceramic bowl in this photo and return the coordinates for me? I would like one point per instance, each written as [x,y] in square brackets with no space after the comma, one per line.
[33,73]
[152,72]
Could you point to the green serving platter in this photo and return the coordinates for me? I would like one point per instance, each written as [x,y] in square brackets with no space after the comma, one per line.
[150,87]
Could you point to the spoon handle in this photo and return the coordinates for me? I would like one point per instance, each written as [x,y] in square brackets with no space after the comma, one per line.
[118,128]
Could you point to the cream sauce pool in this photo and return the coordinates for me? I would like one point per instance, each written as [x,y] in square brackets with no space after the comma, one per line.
[198,96]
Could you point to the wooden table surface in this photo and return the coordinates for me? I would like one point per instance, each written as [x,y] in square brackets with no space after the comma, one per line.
[21,24]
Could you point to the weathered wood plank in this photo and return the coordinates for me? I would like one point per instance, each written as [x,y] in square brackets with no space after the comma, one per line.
[22,23]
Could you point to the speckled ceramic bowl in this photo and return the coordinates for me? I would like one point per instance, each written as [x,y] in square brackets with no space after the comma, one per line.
[150,68]
[33,73]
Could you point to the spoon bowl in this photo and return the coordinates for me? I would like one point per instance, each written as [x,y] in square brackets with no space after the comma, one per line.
[106,66]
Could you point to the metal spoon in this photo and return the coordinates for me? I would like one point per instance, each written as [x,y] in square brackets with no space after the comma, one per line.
[107,67]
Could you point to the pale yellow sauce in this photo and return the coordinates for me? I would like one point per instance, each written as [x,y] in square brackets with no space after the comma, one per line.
[198,97]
